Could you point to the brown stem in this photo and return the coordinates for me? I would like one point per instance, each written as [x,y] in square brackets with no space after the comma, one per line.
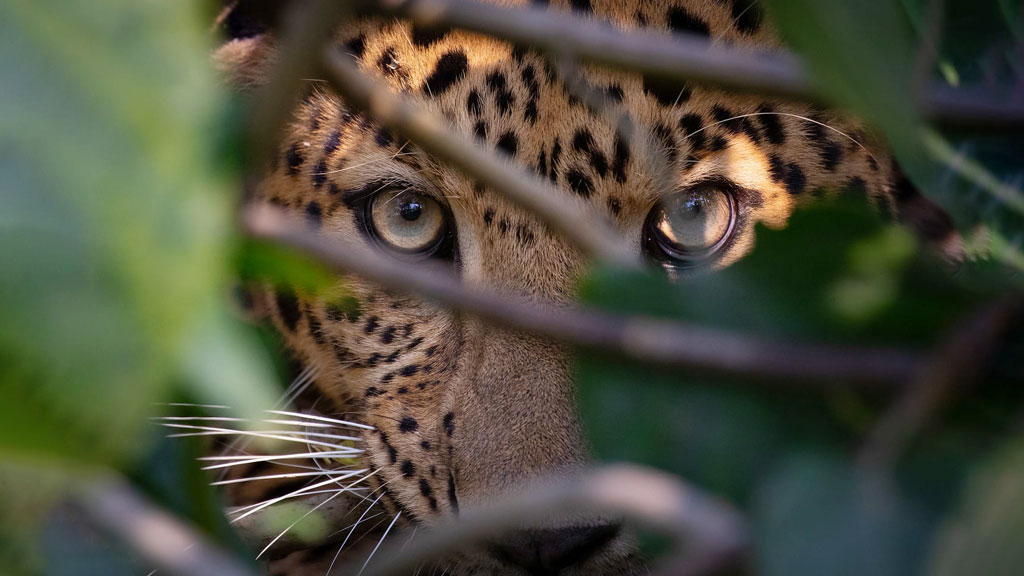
[709,530]
[172,547]
[958,363]
[640,338]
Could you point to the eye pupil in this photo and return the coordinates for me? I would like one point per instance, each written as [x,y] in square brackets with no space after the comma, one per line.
[410,210]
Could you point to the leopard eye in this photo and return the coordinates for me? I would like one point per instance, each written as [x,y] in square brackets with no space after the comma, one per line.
[689,227]
[407,222]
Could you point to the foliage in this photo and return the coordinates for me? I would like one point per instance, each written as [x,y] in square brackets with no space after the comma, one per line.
[116,226]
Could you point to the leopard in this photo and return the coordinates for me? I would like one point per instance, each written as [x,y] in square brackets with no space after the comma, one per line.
[456,412]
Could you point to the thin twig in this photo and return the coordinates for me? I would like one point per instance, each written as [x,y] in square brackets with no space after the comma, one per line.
[959,362]
[710,531]
[639,338]
[576,220]
[172,547]
[307,28]
[678,58]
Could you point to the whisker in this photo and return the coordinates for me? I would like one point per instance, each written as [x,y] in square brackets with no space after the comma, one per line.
[343,473]
[322,419]
[227,461]
[286,435]
[353,529]
[797,116]
[301,492]
[379,542]
[300,519]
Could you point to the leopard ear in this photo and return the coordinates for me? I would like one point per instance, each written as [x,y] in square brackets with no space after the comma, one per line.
[931,223]
[250,48]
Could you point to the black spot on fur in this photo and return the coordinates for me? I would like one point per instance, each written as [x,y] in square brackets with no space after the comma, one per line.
[496,81]
[319,175]
[480,130]
[407,468]
[530,112]
[332,143]
[356,46]
[579,183]
[314,214]
[504,100]
[681,21]
[424,37]
[392,453]
[488,219]
[408,424]
[556,154]
[449,423]
[451,494]
[374,359]
[750,130]
[582,141]
[726,118]
[776,167]
[508,143]
[666,92]
[613,92]
[288,306]
[614,206]
[747,15]
[473,105]
[542,163]
[831,154]
[410,370]
[693,130]
[371,324]
[795,180]
[581,6]
[718,144]
[771,124]
[621,160]
[293,159]
[383,138]
[425,445]
[668,143]
[451,67]
[388,336]
[427,493]
[373,392]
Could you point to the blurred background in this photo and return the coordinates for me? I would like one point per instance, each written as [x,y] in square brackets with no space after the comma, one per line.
[120,178]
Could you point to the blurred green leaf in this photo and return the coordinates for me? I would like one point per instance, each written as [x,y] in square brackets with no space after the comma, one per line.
[818,515]
[987,536]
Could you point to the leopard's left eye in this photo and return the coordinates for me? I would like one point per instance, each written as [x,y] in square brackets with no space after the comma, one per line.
[407,222]
[689,227]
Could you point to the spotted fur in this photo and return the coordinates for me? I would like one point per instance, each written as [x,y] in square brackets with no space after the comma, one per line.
[463,411]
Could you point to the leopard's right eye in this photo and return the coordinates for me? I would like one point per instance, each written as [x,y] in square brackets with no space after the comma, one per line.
[407,222]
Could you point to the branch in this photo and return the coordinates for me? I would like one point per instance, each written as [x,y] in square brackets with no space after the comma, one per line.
[710,531]
[678,58]
[639,338]
[172,547]
[576,220]
[958,363]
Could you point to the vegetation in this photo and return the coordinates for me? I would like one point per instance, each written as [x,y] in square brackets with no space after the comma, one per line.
[120,174]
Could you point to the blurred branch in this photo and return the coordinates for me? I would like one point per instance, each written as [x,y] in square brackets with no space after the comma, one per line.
[679,58]
[174,548]
[639,338]
[575,219]
[307,27]
[709,532]
[958,161]
[958,363]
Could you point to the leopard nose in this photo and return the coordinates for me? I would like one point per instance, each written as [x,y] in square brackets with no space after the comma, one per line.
[548,552]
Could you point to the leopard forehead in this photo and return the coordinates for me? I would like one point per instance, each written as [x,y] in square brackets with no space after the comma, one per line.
[462,410]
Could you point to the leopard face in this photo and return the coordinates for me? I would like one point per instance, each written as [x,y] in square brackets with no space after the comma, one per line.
[462,411]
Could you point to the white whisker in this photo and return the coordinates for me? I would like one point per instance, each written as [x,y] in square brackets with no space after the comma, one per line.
[322,419]
[349,535]
[227,461]
[379,542]
[300,519]
[343,473]
[797,116]
[301,492]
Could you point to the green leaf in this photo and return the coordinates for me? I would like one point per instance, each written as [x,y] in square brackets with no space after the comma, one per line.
[987,535]
[821,516]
